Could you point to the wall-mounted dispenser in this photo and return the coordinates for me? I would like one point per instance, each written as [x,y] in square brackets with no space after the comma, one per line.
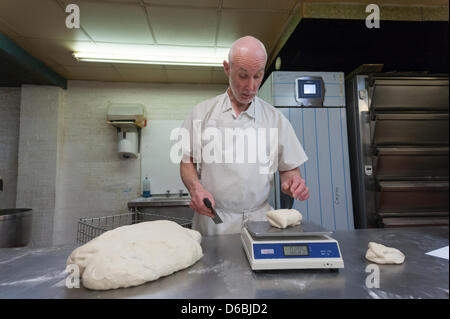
[128,119]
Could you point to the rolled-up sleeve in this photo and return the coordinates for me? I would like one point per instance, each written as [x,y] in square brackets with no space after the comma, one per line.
[187,127]
[290,152]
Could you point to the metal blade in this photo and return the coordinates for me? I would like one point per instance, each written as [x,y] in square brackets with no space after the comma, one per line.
[216,219]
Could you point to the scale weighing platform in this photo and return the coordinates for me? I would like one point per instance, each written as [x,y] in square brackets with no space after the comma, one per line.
[305,246]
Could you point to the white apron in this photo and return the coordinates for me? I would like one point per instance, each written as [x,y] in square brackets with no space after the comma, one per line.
[240,192]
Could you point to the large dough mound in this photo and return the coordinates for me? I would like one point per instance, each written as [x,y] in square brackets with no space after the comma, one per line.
[132,255]
[381,254]
[282,218]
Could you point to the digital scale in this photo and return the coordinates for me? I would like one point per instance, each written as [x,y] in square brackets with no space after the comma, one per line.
[305,246]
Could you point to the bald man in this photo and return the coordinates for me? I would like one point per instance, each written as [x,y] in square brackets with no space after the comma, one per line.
[239,191]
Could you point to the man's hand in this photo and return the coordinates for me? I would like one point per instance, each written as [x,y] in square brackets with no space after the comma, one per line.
[197,203]
[296,188]
[189,176]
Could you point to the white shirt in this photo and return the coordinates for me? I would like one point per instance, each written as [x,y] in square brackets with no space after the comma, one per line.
[240,188]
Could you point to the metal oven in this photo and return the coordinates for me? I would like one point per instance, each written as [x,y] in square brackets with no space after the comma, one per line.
[398,144]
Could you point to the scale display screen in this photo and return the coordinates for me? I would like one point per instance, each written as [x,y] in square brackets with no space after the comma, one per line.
[295,250]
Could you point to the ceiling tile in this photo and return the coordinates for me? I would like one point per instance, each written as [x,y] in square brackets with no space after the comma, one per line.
[196,27]
[40,53]
[178,74]
[121,25]
[279,5]
[107,73]
[125,1]
[59,69]
[184,3]
[266,26]
[6,29]
[115,22]
[38,19]
[59,51]
[142,73]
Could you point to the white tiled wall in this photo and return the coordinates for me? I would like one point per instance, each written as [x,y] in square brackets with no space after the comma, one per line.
[9,139]
[40,109]
[68,162]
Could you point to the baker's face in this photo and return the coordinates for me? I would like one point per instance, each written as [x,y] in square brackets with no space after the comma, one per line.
[245,76]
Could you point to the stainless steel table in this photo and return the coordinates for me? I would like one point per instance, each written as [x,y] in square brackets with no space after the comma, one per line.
[224,272]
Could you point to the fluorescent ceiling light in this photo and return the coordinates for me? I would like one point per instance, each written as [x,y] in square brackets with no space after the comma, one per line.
[188,59]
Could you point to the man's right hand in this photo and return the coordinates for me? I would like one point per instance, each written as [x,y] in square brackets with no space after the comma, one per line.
[197,203]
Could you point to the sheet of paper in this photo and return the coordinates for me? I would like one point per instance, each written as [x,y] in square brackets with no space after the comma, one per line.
[441,253]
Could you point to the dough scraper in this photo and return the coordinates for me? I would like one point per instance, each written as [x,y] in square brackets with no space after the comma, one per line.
[216,218]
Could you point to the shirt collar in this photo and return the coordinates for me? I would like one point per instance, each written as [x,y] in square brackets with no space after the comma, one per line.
[226,106]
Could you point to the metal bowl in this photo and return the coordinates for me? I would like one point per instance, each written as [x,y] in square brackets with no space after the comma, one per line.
[15,227]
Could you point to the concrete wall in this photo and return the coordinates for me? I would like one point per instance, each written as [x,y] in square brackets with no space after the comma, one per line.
[68,162]
[9,141]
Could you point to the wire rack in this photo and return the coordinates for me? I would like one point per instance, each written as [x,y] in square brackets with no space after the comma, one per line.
[89,228]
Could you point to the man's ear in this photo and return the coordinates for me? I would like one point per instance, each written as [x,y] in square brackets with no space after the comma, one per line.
[226,67]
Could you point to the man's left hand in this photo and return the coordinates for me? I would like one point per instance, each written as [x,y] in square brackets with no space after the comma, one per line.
[296,188]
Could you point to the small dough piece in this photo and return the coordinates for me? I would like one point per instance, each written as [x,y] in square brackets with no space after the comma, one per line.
[134,254]
[381,254]
[282,218]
